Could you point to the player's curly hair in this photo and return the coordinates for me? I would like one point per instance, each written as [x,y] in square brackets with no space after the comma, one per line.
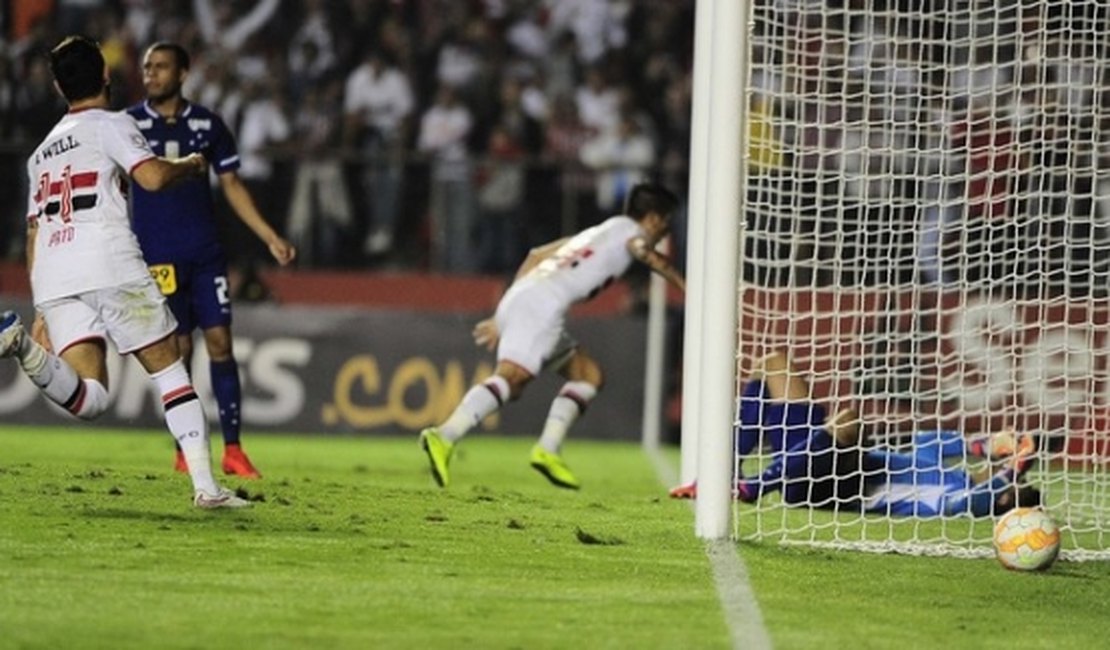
[650,197]
[78,67]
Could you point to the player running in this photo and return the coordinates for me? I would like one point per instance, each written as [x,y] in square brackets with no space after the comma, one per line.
[88,278]
[178,232]
[528,328]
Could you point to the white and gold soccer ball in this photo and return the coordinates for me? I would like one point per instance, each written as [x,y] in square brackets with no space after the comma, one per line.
[1026,539]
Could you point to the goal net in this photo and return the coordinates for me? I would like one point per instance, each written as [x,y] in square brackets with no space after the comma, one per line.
[927,242]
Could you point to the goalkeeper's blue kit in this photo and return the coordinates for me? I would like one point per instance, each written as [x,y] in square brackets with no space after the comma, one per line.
[808,468]
[917,483]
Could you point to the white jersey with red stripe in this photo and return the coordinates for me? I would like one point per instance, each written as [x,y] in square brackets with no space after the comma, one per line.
[532,312]
[78,182]
[587,262]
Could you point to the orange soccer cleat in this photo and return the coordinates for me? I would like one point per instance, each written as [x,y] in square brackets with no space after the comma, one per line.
[685,491]
[237,463]
[740,492]
[179,464]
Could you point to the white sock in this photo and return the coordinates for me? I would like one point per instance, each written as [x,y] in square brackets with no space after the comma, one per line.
[94,401]
[480,401]
[32,356]
[84,398]
[571,402]
[186,422]
[54,377]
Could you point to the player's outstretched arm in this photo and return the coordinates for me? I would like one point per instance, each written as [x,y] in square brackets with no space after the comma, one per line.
[243,204]
[537,255]
[645,253]
[156,174]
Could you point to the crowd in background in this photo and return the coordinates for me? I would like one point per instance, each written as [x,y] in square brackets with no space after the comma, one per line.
[890,141]
[448,135]
[938,141]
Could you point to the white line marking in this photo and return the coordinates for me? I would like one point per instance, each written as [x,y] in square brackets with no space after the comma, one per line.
[734,590]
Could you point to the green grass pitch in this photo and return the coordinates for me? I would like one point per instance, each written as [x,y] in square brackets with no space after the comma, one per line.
[350,545]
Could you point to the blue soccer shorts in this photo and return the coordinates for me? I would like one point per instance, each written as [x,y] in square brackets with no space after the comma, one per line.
[196,289]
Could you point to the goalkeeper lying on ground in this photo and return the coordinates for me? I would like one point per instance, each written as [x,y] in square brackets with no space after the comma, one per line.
[818,461]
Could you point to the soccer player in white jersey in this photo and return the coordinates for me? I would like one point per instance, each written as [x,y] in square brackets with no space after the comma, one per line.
[88,278]
[529,335]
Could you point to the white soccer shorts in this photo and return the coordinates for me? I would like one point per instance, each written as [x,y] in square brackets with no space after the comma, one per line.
[532,334]
[132,316]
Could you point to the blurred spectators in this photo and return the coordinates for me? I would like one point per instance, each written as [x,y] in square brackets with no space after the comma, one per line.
[854,124]
[267,65]
[598,101]
[597,25]
[263,131]
[320,215]
[223,25]
[563,141]
[500,236]
[36,101]
[444,130]
[8,90]
[620,157]
[378,102]
[884,145]
[312,55]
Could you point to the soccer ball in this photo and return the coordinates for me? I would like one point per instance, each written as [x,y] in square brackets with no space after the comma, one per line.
[1026,539]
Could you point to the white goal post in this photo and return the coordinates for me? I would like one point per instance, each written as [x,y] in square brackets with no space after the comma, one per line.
[917,215]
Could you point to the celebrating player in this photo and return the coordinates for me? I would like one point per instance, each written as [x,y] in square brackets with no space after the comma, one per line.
[528,328]
[817,461]
[88,278]
[178,232]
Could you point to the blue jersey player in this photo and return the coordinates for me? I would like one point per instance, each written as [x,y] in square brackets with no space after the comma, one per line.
[816,461]
[776,410]
[919,483]
[178,232]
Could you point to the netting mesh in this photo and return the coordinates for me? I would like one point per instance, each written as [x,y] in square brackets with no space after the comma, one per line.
[927,241]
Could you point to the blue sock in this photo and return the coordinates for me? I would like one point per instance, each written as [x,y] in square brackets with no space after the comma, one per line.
[225,385]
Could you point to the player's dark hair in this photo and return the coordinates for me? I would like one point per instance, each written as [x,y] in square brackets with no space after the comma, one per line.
[78,67]
[650,197]
[180,55]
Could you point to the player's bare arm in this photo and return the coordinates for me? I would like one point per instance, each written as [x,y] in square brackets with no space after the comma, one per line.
[38,327]
[243,204]
[645,252]
[159,173]
[485,333]
[537,255]
[32,232]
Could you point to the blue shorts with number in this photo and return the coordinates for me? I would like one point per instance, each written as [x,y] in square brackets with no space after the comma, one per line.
[201,299]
